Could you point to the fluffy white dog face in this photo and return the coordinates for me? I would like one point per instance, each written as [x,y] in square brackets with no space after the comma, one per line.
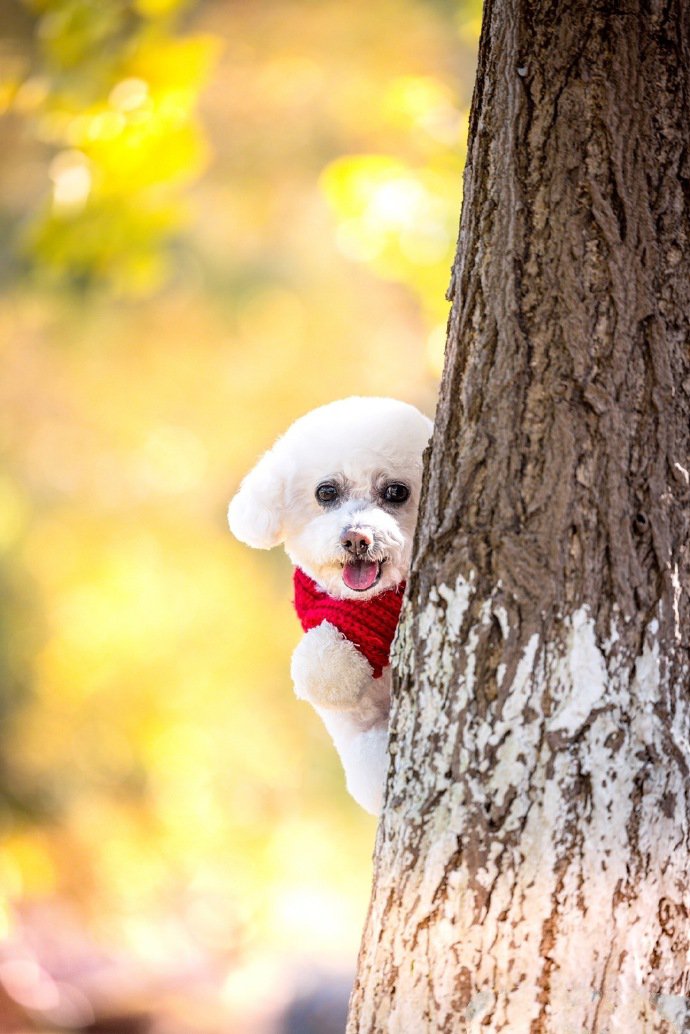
[340,489]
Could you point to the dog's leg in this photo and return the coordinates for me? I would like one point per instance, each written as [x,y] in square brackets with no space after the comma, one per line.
[364,756]
[331,673]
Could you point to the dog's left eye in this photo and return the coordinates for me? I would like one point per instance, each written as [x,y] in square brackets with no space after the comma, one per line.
[396,492]
[327,493]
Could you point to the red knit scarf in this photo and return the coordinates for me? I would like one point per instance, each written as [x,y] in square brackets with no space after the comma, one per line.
[370,624]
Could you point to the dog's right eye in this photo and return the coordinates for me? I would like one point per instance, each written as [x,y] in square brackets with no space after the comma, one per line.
[327,493]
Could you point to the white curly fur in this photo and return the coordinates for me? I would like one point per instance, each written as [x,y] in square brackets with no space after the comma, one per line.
[328,670]
[360,445]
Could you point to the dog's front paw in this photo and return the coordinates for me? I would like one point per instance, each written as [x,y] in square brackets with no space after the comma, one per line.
[328,670]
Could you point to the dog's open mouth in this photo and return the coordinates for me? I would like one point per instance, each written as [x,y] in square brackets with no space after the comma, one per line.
[361,574]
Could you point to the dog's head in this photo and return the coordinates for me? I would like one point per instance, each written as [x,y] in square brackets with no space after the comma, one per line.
[340,489]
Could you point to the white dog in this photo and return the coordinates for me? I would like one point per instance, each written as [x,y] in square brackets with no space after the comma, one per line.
[341,489]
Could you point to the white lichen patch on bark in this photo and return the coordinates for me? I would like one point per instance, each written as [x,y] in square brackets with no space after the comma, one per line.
[677,591]
[539,872]
[674,1008]
[582,672]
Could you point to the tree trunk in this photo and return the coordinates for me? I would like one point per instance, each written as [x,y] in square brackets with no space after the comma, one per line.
[531,868]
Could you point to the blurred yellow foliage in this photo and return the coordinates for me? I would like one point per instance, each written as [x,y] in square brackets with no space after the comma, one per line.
[399,217]
[396,218]
[114,93]
[166,802]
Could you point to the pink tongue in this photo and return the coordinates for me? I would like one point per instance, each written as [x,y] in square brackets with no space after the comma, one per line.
[361,574]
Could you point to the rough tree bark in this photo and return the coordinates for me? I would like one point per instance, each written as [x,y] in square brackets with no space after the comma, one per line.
[531,867]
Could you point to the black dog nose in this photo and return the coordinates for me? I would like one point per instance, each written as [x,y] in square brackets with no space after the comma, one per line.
[355,542]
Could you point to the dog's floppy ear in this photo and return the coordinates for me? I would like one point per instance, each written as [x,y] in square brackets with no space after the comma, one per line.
[255,514]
